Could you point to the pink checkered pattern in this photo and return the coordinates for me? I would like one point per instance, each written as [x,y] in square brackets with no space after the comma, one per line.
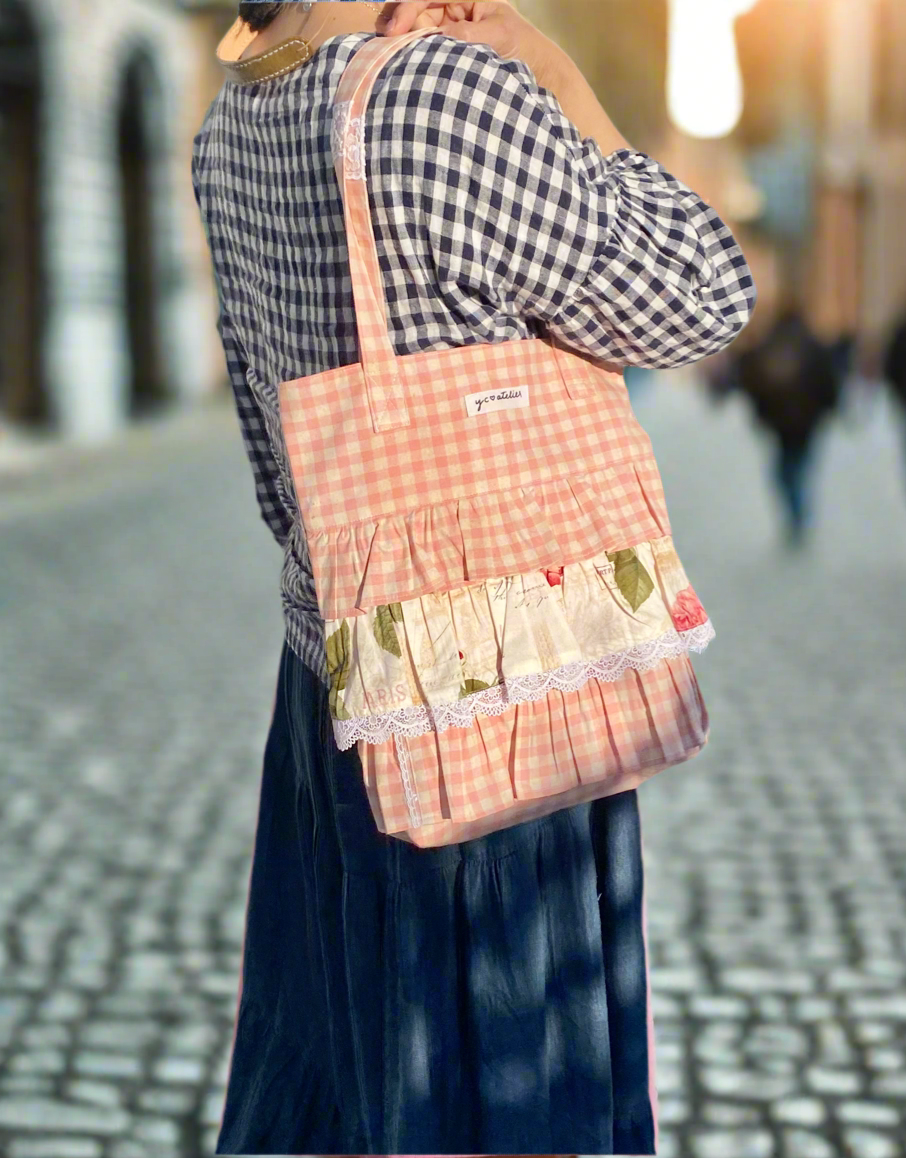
[356,486]
[402,493]
[541,756]
[385,447]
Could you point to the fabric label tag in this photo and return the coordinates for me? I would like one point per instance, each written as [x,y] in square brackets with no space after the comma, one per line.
[510,398]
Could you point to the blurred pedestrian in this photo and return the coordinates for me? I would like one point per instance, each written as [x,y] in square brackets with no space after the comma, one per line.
[721,376]
[794,382]
[490,996]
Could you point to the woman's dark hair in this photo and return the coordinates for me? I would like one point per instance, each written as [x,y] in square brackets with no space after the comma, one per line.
[257,15]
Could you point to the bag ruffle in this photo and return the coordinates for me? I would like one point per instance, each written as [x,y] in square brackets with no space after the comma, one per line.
[450,545]
[554,752]
[436,661]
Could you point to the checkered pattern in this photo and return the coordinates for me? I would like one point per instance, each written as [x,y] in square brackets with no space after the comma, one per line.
[494,221]
[543,755]
[388,440]
[451,499]
[349,472]
[388,443]
[507,532]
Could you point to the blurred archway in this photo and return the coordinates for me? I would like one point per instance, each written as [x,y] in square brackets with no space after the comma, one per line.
[140,162]
[23,397]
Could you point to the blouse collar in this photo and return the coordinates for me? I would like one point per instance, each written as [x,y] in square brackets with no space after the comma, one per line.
[283,58]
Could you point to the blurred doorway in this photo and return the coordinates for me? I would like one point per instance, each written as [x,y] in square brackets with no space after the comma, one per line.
[23,396]
[141,168]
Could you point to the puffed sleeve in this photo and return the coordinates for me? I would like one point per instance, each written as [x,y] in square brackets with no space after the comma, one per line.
[612,254]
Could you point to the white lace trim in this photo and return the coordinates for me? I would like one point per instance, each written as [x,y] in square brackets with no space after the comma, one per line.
[402,754]
[494,701]
[347,140]
[338,128]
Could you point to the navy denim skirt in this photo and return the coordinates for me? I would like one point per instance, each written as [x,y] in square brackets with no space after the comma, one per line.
[490,997]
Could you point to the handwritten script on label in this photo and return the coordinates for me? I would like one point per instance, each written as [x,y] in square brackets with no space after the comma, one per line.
[510,398]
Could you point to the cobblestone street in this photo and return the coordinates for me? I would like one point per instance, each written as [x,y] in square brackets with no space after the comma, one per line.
[140,630]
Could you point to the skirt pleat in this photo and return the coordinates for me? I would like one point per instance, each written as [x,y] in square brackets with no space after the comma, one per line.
[481,998]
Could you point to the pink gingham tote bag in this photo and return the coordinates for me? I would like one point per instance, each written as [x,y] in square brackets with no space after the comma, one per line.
[508,625]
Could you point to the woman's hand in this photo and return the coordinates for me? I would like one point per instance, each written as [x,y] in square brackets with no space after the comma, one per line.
[492,22]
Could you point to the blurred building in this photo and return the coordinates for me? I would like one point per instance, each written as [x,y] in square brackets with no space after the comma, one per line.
[106,301]
[826,83]
[814,177]
[107,304]
[859,276]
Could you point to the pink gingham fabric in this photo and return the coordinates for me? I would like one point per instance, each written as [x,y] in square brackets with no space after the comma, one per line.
[566,749]
[404,491]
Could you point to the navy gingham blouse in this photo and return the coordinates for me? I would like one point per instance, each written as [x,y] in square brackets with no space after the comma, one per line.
[494,221]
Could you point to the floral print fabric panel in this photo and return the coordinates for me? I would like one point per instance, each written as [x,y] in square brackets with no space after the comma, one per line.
[450,646]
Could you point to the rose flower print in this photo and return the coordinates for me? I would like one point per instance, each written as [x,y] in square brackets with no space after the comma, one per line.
[687,612]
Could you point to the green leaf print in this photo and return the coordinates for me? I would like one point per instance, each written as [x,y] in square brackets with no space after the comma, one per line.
[384,631]
[470,687]
[633,580]
[336,705]
[396,612]
[338,657]
[337,708]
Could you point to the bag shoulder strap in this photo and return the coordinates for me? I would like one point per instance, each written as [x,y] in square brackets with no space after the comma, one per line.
[383,382]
